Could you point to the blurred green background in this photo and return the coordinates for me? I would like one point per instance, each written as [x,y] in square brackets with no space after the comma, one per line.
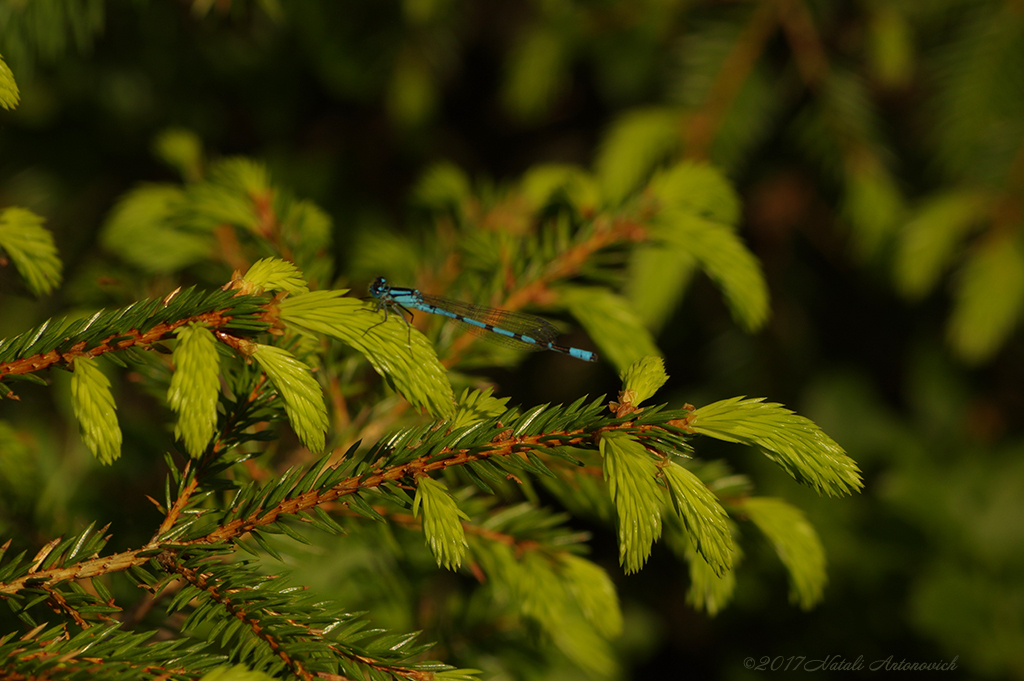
[879,151]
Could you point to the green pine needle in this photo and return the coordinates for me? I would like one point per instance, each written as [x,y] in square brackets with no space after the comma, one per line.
[144,230]
[797,544]
[31,249]
[643,378]
[709,591]
[303,398]
[195,387]
[538,70]
[608,319]
[794,442]
[631,475]
[982,319]
[475,406]
[636,144]
[442,522]
[458,675]
[95,410]
[544,184]
[274,274]
[595,593]
[401,354]
[723,256]
[703,516]
[931,239]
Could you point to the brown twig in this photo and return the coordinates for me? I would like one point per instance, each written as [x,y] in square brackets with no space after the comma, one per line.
[112,343]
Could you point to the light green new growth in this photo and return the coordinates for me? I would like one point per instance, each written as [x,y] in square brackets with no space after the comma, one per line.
[537,71]
[872,206]
[638,141]
[631,475]
[303,398]
[608,319]
[721,254]
[274,274]
[569,597]
[595,593]
[982,320]
[709,590]
[195,387]
[31,249]
[794,442]
[95,410]
[703,516]
[476,406]
[932,237]
[442,186]
[442,522]
[695,226]
[143,229]
[658,278]
[397,352]
[797,544]
[544,183]
[229,196]
[181,149]
[644,378]
[8,88]
[546,596]
[697,189]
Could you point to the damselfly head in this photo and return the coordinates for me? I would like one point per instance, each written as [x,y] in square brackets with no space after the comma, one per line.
[379,287]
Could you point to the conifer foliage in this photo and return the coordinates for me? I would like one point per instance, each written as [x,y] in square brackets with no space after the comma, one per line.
[247,358]
[275,364]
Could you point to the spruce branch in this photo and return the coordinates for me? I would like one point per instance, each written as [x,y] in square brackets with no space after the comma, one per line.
[737,66]
[140,325]
[190,563]
[518,440]
[53,652]
[511,443]
[254,619]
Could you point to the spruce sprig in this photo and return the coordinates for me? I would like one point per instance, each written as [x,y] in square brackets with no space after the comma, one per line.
[240,362]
